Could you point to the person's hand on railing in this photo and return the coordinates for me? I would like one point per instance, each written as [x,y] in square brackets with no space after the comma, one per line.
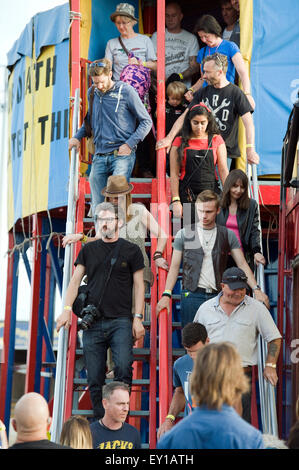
[259,259]
[163,303]
[177,209]
[162,263]
[73,142]
[252,156]
[166,142]
[64,320]
[71,238]
[262,297]
[270,375]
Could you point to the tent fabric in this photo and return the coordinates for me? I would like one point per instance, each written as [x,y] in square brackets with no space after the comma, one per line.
[38,117]
[274,76]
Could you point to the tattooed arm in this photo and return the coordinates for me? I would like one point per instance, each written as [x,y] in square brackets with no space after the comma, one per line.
[270,373]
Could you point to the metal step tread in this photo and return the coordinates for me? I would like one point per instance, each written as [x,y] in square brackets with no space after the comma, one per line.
[82,381]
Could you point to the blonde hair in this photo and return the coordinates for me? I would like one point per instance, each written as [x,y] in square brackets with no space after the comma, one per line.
[128,205]
[218,377]
[76,433]
[176,90]
[96,70]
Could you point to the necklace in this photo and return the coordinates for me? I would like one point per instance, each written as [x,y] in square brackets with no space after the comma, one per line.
[215,49]
[207,242]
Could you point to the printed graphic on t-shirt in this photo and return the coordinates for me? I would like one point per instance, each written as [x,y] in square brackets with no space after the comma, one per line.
[116,444]
[220,110]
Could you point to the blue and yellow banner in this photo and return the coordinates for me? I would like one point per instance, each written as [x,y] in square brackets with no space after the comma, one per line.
[274,73]
[38,116]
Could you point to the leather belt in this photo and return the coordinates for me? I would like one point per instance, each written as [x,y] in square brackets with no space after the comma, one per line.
[247,368]
[206,291]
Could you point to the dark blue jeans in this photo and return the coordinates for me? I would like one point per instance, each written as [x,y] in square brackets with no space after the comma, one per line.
[190,303]
[116,334]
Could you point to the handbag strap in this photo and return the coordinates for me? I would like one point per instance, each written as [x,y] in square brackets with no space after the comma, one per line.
[113,260]
[123,46]
[199,165]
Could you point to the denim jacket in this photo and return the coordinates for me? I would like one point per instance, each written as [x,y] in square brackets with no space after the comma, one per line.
[119,117]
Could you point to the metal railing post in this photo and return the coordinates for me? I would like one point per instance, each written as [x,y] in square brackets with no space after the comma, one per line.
[60,376]
[267,390]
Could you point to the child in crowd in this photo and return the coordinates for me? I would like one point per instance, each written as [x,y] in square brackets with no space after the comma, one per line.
[176,104]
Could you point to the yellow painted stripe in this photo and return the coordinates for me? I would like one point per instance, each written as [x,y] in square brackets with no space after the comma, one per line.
[246,28]
[85,27]
[38,114]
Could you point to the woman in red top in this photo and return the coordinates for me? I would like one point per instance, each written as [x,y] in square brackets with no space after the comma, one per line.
[194,156]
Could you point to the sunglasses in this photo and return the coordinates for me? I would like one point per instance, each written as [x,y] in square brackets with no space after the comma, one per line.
[105,219]
[97,64]
[235,278]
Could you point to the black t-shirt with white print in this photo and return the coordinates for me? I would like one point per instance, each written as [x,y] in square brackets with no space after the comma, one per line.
[228,104]
[127,437]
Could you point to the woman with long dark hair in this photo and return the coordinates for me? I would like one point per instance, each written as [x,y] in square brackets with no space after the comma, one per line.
[194,156]
[240,213]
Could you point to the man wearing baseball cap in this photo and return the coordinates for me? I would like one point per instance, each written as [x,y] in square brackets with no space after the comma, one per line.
[235,317]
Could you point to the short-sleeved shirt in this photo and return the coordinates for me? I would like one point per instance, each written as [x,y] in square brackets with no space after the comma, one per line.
[227,48]
[207,279]
[127,437]
[241,327]
[141,46]
[95,257]
[228,104]
[198,144]
[182,369]
[179,47]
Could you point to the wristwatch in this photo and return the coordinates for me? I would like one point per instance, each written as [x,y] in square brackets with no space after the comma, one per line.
[270,364]
[138,315]
[257,287]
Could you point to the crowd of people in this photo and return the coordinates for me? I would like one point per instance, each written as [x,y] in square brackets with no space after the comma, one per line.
[222,307]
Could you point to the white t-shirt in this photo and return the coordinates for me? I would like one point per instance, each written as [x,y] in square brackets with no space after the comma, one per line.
[178,48]
[140,45]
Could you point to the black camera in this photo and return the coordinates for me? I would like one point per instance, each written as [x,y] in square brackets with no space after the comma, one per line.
[89,315]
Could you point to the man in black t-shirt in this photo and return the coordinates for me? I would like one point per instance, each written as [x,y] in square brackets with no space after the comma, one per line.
[114,326]
[112,432]
[227,103]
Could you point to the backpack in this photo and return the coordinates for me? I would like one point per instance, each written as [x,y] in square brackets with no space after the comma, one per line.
[138,76]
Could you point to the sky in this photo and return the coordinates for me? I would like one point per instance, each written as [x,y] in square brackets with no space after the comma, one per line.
[15,15]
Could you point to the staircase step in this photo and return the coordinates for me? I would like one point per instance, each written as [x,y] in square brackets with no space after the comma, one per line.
[81,381]
[137,413]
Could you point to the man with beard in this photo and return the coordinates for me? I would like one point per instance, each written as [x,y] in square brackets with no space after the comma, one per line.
[235,317]
[113,267]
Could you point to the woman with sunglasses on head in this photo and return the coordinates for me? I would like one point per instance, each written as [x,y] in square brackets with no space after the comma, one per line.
[239,213]
[140,44]
[194,156]
[139,221]
[210,33]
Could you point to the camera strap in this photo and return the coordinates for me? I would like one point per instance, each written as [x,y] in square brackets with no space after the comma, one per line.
[113,260]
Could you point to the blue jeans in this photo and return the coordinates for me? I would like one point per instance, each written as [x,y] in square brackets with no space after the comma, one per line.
[115,333]
[104,166]
[190,303]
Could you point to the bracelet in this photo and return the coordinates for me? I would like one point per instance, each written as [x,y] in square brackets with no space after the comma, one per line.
[270,364]
[84,238]
[67,307]
[176,198]
[181,76]
[167,293]
[191,89]
[171,417]
[249,146]
[138,315]
[144,64]
[157,256]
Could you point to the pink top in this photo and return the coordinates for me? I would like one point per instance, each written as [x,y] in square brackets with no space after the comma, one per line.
[232,224]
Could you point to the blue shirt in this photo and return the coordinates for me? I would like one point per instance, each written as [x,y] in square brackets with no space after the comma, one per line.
[182,369]
[227,48]
[212,429]
[118,117]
